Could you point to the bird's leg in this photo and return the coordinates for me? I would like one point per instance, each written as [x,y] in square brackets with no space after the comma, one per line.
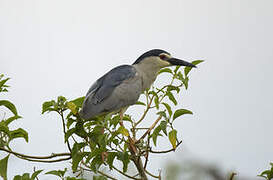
[121,119]
[121,114]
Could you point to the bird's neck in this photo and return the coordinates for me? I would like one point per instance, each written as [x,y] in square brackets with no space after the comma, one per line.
[148,71]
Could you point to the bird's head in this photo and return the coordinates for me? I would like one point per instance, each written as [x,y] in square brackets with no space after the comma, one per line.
[160,58]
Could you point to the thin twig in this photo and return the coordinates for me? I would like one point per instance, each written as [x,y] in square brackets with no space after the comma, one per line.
[147,152]
[146,110]
[36,157]
[150,129]
[173,149]
[45,161]
[110,177]
[141,128]
[146,159]
[102,173]
[154,176]
[136,175]
[64,130]
[232,176]
[119,171]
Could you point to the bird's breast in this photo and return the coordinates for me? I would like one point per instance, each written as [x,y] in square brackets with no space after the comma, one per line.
[147,71]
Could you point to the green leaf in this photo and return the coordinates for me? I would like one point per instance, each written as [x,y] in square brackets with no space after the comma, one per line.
[171,97]
[69,133]
[3,167]
[172,137]
[267,174]
[58,173]
[4,128]
[186,82]
[122,130]
[80,131]
[169,109]
[73,178]
[176,69]
[77,147]
[95,152]
[165,70]
[54,172]
[153,93]
[124,158]
[188,69]
[96,163]
[162,113]
[76,159]
[181,112]
[48,106]
[11,119]
[25,176]
[173,88]
[115,120]
[156,134]
[70,121]
[19,133]
[35,174]
[163,126]
[156,101]
[79,101]
[72,107]
[180,76]
[140,103]
[2,82]
[110,158]
[126,117]
[17,177]
[102,140]
[61,100]
[99,178]
[98,129]
[9,105]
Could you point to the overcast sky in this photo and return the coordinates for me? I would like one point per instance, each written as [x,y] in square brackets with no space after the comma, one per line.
[60,47]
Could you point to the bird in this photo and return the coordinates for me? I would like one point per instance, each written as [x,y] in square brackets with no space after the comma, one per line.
[122,86]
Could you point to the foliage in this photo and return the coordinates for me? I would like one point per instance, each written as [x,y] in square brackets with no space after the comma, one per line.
[26,176]
[103,141]
[267,174]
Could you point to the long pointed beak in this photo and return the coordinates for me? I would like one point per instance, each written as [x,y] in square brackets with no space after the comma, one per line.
[179,62]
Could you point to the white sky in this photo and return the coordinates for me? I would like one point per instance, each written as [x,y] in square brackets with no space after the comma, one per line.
[60,47]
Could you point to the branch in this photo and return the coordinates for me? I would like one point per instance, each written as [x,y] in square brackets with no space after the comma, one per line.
[154,176]
[173,149]
[232,176]
[136,159]
[45,161]
[64,130]
[146,110]
[139,165]
[146,159]
[102,173]
[124,173]
[150,129]
[147,152]
[35,157]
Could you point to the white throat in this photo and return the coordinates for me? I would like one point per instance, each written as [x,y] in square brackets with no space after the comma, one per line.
[148,70]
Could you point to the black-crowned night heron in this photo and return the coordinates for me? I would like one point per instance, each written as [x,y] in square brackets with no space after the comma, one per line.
[122,86]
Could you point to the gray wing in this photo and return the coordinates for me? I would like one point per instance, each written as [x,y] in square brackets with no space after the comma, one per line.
[118,88]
